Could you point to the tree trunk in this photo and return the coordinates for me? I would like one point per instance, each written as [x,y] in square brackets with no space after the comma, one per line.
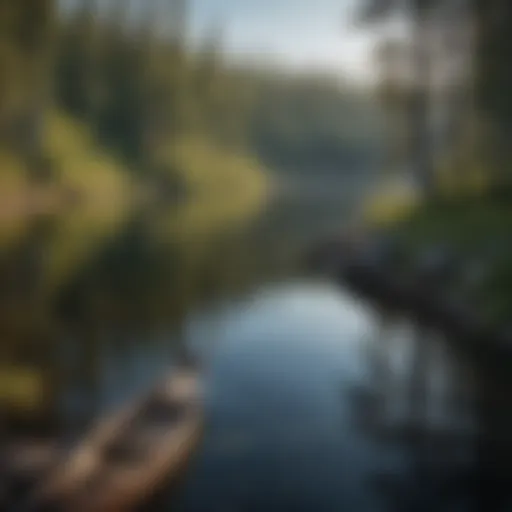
[421,154]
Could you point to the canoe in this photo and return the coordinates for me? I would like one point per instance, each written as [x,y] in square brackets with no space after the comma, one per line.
[128,457]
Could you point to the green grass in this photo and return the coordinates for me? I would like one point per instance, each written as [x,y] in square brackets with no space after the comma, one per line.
[77,166]
[81,166]
[464,225]
[388,207]
[224,188]
[206,169]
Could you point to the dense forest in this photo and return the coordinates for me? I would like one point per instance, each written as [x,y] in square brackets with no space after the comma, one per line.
[87,92]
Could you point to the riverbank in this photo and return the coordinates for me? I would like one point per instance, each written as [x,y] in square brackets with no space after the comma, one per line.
[77,171]
[445,263]
[468,236]
[72,170]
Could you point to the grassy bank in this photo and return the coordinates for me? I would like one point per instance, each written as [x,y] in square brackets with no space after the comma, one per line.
[474,231]
[223,188]
[77,172]
[80,172]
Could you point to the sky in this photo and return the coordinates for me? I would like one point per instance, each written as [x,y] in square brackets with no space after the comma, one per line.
[311,34]
[319,34]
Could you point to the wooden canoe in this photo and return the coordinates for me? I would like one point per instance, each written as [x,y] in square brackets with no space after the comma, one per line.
[128,457]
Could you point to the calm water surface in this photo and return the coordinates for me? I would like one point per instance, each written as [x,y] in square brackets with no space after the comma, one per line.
[302,380]
[281,431]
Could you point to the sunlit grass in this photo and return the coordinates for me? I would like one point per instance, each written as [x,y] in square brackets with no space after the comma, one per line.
[225,188]
[206,168]
[389,206]
[203,216]
[79,165]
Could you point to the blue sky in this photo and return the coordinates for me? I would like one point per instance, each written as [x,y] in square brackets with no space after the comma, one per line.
[299,33]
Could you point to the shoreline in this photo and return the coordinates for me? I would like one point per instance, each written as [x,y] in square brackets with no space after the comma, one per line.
[419,296]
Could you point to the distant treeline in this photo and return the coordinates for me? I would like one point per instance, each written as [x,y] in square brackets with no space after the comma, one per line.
[316,124]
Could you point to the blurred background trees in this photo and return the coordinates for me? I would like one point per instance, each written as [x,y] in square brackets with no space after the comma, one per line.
[140,89]
[457,79]
[125,76]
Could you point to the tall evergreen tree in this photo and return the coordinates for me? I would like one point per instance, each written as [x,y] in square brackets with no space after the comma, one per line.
[418,15]
[78,60]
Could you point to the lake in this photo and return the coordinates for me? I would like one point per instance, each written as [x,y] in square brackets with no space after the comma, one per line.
[314,399]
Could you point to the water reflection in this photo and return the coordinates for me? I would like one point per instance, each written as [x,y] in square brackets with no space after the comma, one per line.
[94,305]
[446,411]
[320,403]
[280,435]
[418,403]
[316,400]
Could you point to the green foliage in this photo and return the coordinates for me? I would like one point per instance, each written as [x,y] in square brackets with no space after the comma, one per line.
[80,166]
[174,120]
[154,92]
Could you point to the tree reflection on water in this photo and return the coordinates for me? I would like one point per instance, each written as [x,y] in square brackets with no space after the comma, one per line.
[80,291]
